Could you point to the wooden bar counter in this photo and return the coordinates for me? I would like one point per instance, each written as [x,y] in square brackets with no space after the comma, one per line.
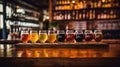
[33,55]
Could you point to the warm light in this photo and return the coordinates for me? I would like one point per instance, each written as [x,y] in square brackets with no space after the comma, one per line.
[73,1]
[20,11]
[17,7]
[29,24]
[47,17]
[103,1]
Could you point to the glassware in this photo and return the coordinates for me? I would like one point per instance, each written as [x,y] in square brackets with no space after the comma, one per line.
[70,36]
[51,36]
[60,35]
[25,36]
[88,35]
[14,34]
[43,36]
[98,35]
[79,35]
[34,36]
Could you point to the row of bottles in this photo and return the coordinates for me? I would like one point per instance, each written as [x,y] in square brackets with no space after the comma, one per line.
[62,1]
[81,4]
[85,14]
[80,25]
[107,14]
[111,25]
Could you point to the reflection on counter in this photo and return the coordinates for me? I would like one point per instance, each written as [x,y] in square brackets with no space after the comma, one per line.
[62,53]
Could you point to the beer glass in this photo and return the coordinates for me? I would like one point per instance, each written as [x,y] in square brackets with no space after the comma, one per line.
[43,36]
[34,36]
[88,35]
[79,35]
[70,36]
[60,35]
[25,36]
[51,36]
[98,35]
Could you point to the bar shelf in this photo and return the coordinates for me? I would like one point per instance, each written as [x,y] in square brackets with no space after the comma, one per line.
[63,45]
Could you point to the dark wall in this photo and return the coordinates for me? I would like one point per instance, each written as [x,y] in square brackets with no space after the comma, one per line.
[1,33]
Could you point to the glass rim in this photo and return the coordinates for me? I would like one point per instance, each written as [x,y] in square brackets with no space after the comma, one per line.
[61,32]
[42,31]
[97,31]
[79,31]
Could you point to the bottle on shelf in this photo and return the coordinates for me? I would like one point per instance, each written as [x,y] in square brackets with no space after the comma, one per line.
[76,15]
[83,15]
[69,16]
[65,16]
[80,15]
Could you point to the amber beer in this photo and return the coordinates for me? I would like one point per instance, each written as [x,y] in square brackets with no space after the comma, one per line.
[43,36]
[51,36]
[34,36]
[25,36]
[98,35]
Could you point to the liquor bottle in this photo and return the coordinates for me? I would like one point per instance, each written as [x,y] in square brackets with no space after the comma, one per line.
[60,15]
[80,15]
[84,4]
[60,1]
[65,15]
[57,17]
[93,14]
[83,16]
[68,1]
[57,2]
[99,4]
[73,15]
[54,16]
[76,15]
[69,16]
[81,4]
[87,15]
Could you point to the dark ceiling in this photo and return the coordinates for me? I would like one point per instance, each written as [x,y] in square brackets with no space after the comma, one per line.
[40,4]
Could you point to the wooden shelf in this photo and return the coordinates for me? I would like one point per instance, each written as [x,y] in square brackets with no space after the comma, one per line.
[22,20]
[89,19]
[62,45]
[3,41]
[104,8]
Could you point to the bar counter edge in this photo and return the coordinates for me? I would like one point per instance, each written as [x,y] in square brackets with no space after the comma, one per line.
[59,62]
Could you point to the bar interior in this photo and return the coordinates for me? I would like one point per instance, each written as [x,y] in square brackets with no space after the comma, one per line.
[59,33]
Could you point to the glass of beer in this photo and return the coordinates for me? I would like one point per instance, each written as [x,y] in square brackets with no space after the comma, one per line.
[34,36]
[51,36]
[79,35]
[98,35]
[60,35]
[43,36]
[25,36]
[70,36]
[88,35]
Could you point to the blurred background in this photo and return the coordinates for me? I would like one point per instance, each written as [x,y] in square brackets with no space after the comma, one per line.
[16,15]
